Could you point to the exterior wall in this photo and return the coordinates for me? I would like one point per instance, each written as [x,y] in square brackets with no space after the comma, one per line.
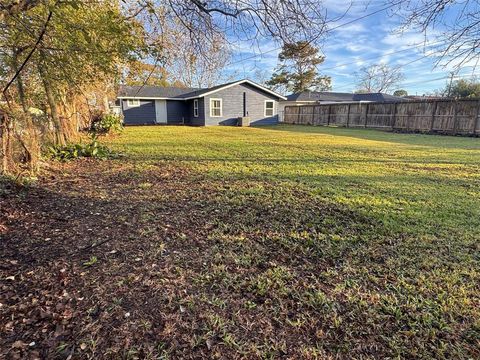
[177,112]
[190,119]
[232,106]
[139,115]
[181,112]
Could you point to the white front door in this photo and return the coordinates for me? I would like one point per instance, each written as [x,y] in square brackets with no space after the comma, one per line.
[161,111]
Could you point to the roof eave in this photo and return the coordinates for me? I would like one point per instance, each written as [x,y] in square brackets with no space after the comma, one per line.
[209,92]
[238,83]
[148,98]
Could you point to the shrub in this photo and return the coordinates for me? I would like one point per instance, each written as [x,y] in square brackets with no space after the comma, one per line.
[106,123]
[74,151]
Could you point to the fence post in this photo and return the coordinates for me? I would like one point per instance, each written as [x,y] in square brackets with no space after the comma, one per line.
[366,115]
[313,114]
[434,112]
[348,114]
[455,117]
[298,114]
[394,115]
[328,115]
[476,118]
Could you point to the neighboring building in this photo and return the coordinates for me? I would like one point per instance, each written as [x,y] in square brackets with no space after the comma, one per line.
[218,105]
[426,97]
[326,97]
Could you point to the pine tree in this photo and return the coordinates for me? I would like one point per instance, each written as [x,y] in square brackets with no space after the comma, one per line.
[297,69]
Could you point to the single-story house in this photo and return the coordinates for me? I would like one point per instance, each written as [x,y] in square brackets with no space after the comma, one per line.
[327,97]
[219,105]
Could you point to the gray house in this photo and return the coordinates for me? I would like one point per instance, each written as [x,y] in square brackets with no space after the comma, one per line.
[219,105]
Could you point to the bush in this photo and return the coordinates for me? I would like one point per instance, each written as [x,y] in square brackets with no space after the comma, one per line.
[74,151]
[103,124]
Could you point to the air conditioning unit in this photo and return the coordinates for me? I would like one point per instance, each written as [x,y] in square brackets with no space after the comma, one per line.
[244,121]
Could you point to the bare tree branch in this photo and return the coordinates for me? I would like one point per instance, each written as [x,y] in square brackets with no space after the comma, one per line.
[378,78]
[455,22]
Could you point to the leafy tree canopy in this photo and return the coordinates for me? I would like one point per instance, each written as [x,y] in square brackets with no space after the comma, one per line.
[464,89]
[400,92]
[141,73]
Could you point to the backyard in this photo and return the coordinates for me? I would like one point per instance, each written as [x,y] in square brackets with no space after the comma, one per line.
[221,242]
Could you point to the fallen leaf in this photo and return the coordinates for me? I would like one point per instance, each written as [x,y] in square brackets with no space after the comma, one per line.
[209,344]
[19,344]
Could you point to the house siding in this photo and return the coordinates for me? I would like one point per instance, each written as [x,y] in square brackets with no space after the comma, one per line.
[190,119]
[177,112]
[139,115]
[232,106]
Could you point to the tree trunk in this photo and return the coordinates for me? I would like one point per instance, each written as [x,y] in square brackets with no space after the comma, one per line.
[6,137]
[52,104]
[21,90]
[28,139]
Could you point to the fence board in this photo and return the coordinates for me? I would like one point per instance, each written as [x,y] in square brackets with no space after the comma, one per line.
[444,116]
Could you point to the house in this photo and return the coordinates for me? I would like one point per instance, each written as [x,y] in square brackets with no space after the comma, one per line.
[425,97]
[327,97]
[219,105]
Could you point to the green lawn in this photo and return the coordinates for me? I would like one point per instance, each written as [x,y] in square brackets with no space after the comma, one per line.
[276,242]
[419,185]
[347,241]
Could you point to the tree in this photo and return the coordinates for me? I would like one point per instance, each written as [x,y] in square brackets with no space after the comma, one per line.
[142,73]
[463,89]
[297,69]
[378,78]
[198,70]
[51,55]
[453,24]
[400,92]
[10,8]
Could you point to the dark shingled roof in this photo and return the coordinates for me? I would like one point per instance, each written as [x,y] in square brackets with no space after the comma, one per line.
[179,93]
[338,96]
[199,92]
[155,91]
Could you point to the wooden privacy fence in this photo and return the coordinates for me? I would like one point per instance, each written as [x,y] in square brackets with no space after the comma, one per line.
[442,116]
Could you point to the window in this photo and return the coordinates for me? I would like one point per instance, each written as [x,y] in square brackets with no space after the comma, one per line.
[195,108]
[215,107]
[269,107]
[133,103]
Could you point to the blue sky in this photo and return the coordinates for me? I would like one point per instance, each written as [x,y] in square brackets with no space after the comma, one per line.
[371,40]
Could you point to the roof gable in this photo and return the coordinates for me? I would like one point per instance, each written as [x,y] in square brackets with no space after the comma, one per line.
[175,93]
[212,90]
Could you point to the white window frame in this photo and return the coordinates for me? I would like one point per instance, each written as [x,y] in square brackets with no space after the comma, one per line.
[195,108]
[265,108]
[133,102]
[211,107]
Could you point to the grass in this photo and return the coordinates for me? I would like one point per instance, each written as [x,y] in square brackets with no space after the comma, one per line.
[393,219]
[274,242]
[411,183]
